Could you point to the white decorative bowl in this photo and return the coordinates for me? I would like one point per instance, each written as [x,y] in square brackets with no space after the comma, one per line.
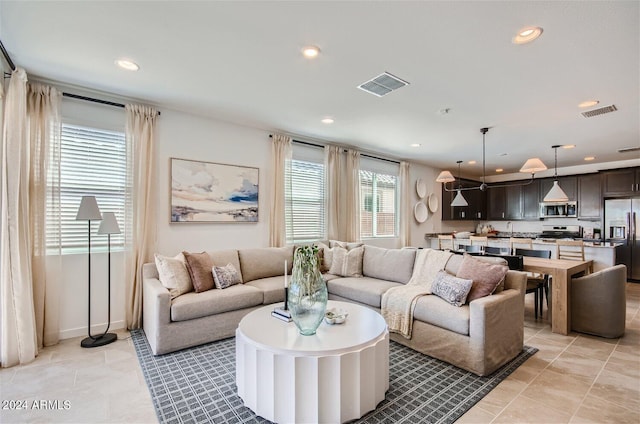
[335,316]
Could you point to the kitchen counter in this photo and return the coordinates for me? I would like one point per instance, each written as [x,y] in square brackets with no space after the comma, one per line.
[603,254]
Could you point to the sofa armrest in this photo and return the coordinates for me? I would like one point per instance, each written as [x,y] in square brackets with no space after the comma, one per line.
[156,310]
[516,280]
[497,320]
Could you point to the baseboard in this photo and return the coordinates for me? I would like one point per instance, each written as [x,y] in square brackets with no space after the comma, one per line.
[95,329]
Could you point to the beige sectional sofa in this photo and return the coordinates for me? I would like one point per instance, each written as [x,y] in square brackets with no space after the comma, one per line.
[479,337]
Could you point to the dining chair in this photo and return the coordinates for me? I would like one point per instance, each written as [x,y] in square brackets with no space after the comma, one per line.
[523,243]
[514,262]
[445,241]
[537,283]
[493,250]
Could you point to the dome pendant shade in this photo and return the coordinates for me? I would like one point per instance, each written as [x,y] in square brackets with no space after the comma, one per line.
[445,177]
[459,200]
[556,194]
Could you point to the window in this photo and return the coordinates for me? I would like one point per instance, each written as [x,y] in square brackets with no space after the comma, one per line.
[93,163]
[378,204]
[305,202]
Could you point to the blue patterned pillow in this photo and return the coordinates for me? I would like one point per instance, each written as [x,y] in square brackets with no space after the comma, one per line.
[451,288]
[225,276]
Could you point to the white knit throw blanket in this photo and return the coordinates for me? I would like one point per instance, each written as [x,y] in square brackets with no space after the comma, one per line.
[398,303]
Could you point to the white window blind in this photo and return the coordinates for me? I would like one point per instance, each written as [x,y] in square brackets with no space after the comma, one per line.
[305,202]
[93,163]
[378,213]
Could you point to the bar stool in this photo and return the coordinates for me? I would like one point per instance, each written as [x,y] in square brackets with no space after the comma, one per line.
[571,250]
[523,243]
[445,241]
[479,240]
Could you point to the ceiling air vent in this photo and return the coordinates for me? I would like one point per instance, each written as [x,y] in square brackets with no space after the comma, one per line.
[600,111]
[382,84]
[628,149]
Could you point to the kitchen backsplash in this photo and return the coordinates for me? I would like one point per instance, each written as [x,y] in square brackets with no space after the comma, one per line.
[517,226]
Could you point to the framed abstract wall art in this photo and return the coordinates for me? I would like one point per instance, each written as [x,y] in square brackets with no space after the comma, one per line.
[213,192]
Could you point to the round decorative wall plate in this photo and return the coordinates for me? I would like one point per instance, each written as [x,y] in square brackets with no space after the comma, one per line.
[421,188]
[432,201]
[420,212]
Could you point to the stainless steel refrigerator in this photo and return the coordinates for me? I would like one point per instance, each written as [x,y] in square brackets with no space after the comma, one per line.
[620,226]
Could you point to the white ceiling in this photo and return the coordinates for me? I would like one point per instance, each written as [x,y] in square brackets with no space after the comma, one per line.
[241,62]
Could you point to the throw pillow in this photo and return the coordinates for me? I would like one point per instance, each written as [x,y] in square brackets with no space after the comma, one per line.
[345,245]
[173,274]
[225,276]
[347,263]
[326,257]
[199,266]
[451,288]
[486,277]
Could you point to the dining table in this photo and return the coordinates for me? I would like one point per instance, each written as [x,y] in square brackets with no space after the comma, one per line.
[561,271]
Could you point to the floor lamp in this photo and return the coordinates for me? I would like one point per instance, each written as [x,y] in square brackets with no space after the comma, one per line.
[108,226]
[89,211]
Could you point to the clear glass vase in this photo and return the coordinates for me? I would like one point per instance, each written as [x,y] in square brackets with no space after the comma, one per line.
[307,299]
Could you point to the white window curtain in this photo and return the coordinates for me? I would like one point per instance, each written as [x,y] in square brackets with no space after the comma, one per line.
[405,206]
[29,298]
[43,110]
[333,169]
[352,202]
[280,160]
[140,205]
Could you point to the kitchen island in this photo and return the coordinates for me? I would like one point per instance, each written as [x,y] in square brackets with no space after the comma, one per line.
[603,254]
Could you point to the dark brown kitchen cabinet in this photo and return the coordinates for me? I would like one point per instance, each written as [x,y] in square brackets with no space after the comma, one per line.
[530,200]
[475,198]
[589,196]
[621,182]
[504,202]
[569,184]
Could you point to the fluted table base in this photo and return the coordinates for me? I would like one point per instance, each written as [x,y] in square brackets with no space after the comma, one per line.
[286,386]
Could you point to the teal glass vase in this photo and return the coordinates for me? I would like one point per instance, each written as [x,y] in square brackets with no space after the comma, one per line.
[307,297]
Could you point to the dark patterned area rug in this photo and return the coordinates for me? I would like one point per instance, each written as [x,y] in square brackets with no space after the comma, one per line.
[197,385]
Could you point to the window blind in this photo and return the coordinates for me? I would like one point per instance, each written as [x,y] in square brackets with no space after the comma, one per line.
[378,210]
[93,163]
[305,202]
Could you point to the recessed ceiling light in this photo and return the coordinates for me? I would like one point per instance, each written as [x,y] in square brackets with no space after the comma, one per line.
[472,162]
[588,103]
[127,64]
[415,144]
[327,120]
[499,170]
[310,52]
[588,158]
[527,35]
[568,146]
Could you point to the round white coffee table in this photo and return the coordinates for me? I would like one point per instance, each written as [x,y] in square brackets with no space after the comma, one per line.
[337,375]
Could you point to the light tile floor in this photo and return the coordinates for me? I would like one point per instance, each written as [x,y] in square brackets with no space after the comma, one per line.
[572,379]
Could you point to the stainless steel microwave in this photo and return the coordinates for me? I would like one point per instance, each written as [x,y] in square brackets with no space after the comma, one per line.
[558,209]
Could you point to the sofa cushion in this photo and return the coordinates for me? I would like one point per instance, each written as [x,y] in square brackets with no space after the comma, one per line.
[173,274]
[326,257]
[224,257]
[197,305]
[388,264]
[225,276]
[365,290]
[199,266]
[451,288]
[271,287]
[436,311]
[347,263]
[264,262]
[486,276]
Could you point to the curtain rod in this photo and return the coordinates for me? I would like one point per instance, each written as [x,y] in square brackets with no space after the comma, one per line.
[7,57]
[91,99]
[306,143]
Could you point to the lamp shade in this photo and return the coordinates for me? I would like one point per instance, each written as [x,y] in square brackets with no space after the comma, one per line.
[445,177]
[533,165]
[459,200]
[88,209]
[556,194]
[109,224]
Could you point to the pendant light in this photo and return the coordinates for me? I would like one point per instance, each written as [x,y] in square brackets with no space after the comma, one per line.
[531,166]
[459,200]
[556,194]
